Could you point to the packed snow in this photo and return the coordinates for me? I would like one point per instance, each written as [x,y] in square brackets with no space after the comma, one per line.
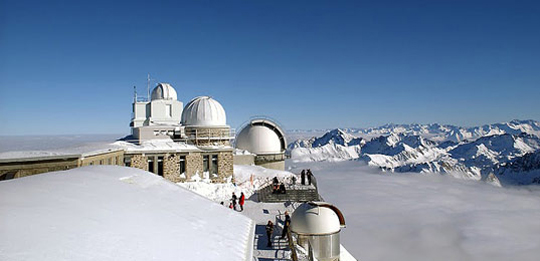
[247,179]
[115,213]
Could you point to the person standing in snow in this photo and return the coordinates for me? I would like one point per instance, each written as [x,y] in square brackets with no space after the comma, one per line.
[303,177]
[309,176]
[275,184]
[242,199]
[269,232]
[233,199]
[286,225]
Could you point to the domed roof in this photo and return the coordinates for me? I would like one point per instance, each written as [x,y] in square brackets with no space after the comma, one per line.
[316,218]
[261,137]
[164,91]
[204,111]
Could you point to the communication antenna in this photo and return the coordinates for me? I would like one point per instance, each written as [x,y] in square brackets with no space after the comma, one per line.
[135,93]
[148,80]
[148,87]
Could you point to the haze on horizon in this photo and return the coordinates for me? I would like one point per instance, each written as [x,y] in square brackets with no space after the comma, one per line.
[70,67]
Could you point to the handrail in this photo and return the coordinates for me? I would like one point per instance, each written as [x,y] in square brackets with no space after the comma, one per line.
[294,255]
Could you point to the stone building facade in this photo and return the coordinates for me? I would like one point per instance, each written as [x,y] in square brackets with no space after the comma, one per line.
[178,166]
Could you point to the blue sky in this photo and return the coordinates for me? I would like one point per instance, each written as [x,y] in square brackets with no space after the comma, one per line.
[69,67]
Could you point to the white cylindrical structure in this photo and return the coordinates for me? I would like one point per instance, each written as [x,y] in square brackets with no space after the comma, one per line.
[318,224]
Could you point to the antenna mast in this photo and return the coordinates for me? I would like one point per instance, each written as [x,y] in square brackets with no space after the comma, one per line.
[134,93]
[148,87]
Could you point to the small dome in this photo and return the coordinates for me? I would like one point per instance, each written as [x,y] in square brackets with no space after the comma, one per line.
[164,91]
[261,137]
[204,111]
[315,218]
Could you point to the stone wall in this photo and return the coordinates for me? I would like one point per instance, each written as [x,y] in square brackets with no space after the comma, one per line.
[23,168]
[194,164]
[107,158]
[140,162]
[171,168]
[225,166]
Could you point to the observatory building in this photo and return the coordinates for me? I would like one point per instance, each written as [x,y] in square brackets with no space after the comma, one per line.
[177,142]
[174,141]
[266,142]
[158,117]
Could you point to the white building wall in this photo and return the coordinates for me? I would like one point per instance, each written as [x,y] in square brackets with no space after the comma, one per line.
[165,112]
[139,114]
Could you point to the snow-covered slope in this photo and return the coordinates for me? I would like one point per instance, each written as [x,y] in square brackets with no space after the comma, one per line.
[115,213]
[488,151]
[520,170]
[334,145]
[470,153]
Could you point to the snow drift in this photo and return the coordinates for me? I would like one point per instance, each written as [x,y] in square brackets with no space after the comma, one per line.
[115,213]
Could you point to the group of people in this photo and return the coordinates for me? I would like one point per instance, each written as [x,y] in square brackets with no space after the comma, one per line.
[306,174]
[270,229]
[235,201]
[278,187]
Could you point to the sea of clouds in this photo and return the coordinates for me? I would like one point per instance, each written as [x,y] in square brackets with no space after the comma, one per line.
[401,216]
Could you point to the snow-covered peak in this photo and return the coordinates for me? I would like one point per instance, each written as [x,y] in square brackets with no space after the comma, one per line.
[473,152]
[337,136]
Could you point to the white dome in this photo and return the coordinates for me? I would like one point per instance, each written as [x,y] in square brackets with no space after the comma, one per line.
[261,137]
[315,218]
[204,111]
[164,91]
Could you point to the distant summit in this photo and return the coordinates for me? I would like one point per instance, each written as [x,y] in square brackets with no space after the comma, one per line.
[506,151]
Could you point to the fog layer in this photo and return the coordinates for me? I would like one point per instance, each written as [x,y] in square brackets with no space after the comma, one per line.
[429,217]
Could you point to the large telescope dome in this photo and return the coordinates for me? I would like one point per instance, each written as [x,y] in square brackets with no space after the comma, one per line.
[261,137]
[204,111]
[164,91]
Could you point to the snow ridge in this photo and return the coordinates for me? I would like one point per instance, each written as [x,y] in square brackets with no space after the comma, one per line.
[469,153]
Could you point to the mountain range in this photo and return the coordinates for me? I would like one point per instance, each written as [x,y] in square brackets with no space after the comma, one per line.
[501,153]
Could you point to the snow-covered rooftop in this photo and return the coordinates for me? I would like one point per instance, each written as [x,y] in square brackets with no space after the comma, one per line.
[163,145]
[115,213]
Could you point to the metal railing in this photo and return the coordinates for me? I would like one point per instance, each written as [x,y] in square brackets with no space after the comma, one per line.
[290,238]
[206,135]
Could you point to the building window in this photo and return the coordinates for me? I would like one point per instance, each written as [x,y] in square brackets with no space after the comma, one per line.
[151,164]
[160,166]
[182,164]
[214,168]
[169,110]
[206,163]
